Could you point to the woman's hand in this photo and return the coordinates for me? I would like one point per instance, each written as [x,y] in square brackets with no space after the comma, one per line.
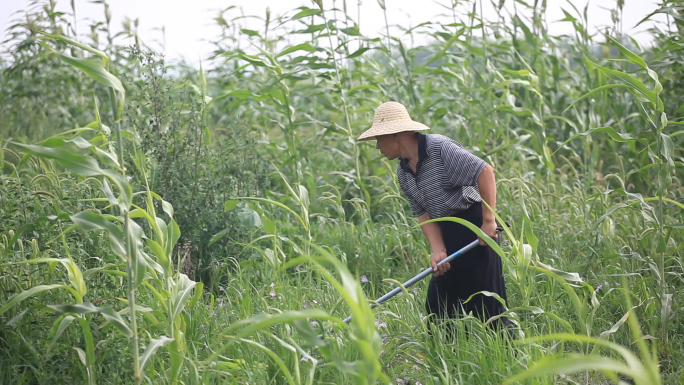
[434,260]
[489,228]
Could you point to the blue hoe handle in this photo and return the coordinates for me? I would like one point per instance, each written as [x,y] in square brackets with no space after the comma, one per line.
[420,276]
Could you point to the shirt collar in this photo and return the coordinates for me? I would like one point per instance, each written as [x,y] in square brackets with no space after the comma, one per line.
[422,154]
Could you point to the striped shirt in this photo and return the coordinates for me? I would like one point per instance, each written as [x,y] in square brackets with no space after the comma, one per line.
[446,177]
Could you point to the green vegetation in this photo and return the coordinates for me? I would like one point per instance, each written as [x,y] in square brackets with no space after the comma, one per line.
[166,224]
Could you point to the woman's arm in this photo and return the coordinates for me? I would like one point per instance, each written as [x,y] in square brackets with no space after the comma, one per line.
[486,183]
[434,236]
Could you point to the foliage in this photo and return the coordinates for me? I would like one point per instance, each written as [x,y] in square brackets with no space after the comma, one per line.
[251,159]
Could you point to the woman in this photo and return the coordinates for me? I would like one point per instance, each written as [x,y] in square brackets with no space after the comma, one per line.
[441,178]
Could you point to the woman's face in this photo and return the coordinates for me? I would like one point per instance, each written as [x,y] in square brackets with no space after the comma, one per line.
[388,146]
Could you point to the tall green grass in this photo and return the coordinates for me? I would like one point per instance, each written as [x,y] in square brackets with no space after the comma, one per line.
[584,133]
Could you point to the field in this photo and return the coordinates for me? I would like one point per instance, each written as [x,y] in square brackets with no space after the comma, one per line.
[165,223]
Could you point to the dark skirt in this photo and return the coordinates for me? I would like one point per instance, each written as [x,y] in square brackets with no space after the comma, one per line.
[477,270]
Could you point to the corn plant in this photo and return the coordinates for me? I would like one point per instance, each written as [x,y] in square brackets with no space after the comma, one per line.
[126,237]
[660,148]
[586,163]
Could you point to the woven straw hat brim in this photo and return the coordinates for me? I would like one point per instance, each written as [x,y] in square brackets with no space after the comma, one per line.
[387,128]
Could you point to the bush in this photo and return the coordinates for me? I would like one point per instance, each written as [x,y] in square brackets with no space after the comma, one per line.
[194,168]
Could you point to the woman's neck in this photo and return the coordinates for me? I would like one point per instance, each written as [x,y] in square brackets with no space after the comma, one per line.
[408,149]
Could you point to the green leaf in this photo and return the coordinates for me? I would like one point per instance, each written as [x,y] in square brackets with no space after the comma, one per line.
[249,32]
[64,322]
[152,348]
[90,348]
[351,31]
[634,58]
[517,111]
[311,28]
[138,262]
[75,276]
[492,243]
[361,87]
[666,308]
[180,293]
[269,226]
[218,236]
[277,204]
[616,136]
[572,277]
[358,52]
[159,252]
[249,218]
[664,180]
[240,94]
[299,47]
[608,212]
[627,79]
[199,287]
[529,234]
[28,293]
[108,193]
[91,221]
[81,356]
[115,319]
[594,91]
[79,308]
[450,41]
[304,196]
[307,333]
[667,149]
[306,12]
[263,321]
[569,363]
[80,164]
[85,47]
[168,208]
[604,334]
[173,234]
[95,71]
[254,60]
[231,204]
[73,271]
[275,357]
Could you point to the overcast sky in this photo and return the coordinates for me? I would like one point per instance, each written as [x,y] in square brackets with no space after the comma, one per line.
[189,24]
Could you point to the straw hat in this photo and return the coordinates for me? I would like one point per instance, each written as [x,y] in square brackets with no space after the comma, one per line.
[390,118]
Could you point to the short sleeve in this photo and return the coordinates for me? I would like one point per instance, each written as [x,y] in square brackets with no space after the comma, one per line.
[416,208]
[462,168]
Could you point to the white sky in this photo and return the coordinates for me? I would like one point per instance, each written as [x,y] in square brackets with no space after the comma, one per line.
[189,24]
